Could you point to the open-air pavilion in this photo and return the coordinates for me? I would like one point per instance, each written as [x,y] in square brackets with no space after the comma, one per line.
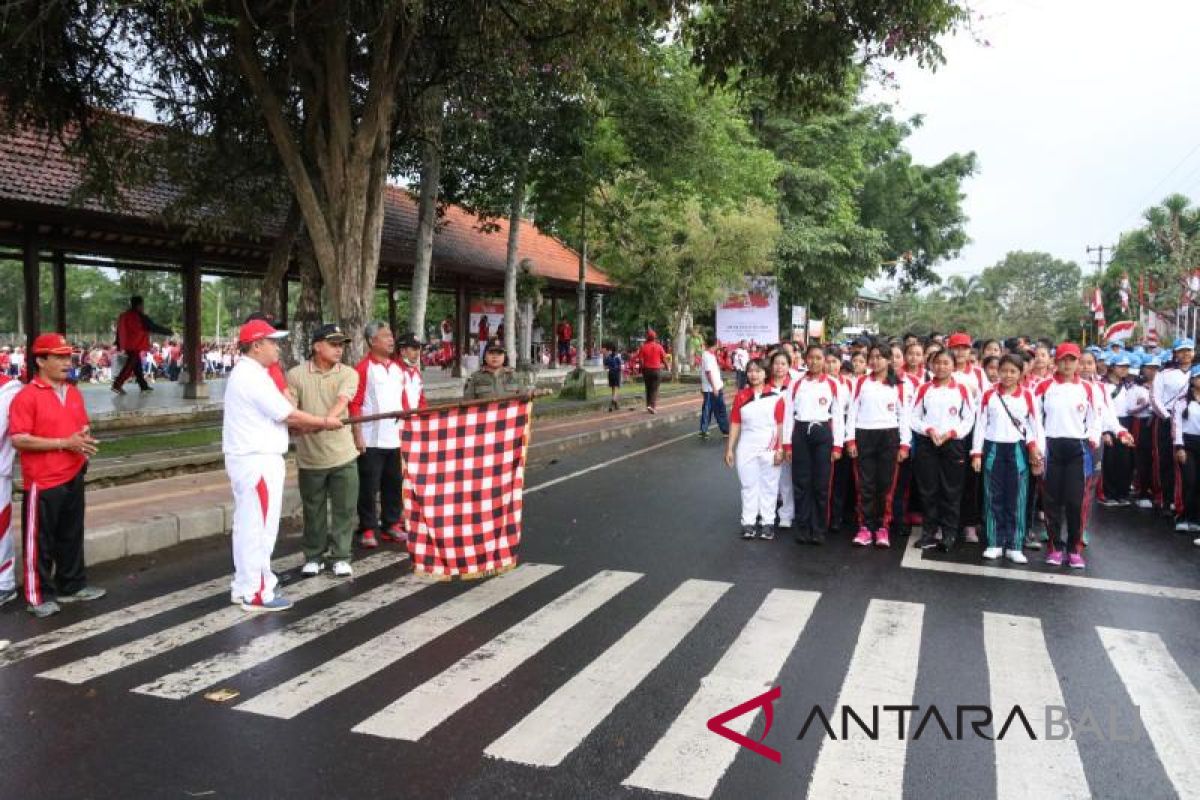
[42,223]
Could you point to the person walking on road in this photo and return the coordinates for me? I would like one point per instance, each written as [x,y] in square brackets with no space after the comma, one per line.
[1169,388]
[1006,449]
[712,386]
[814,434]
[380,391]
[254,439]
[941,418]
[8,535]
[878,439]
[328,471]
[755,448]
[615,368]
[653,359]
[133,338]
[48,426]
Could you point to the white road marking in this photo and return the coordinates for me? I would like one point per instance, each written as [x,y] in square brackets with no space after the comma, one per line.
[203,674]
[433,702]
[882,671]
[689,759]
[609,463]
[1021,673]
[1169,703]
[154,644]
[103,623]
[914,560]
[560,724]
[340,673]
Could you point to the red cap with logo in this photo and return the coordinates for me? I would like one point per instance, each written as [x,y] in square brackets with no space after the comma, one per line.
[52,344]
[959,340]
[257,329]
[1066,349]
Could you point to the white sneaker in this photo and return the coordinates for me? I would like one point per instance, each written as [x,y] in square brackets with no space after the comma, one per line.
[1182,527]
[1016,556]
[1194,527]
[992,553]
[341,569]
[1196,542]
[311,568]
[1144,502]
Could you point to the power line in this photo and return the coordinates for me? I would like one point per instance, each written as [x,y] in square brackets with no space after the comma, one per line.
[1148,195]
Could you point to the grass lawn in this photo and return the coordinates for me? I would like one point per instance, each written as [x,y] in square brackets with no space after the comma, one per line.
[139,443]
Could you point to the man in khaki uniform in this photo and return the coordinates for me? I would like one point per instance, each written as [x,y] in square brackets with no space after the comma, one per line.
[324,386]
[493,380]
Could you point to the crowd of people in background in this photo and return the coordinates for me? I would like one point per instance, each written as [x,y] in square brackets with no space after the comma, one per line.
[1007,445]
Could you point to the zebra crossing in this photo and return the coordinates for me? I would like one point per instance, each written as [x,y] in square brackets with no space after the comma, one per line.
[686,759]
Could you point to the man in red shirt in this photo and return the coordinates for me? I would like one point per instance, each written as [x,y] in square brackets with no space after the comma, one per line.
[49,428]
[133,337]
[564,342]
[653,358]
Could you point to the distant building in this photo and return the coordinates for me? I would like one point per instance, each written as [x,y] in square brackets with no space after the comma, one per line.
[860,313]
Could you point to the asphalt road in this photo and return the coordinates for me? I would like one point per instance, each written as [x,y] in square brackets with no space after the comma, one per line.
[591,670]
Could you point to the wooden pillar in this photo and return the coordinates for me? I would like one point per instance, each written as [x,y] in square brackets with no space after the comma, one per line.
[33,300]
[462,316]
[283,303]
[553,331]
[195,388]
[60,292]
[391,290]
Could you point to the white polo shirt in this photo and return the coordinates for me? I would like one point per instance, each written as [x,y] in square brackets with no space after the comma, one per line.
[255,411]
[381,387]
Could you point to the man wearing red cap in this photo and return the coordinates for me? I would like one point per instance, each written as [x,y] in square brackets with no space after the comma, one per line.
[49,428]
[652,358]
[254,439]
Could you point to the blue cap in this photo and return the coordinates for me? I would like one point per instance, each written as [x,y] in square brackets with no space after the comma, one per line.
[1194,371]
[1152,361]
[1139,349]
[1093,349]
[1122,360]
[1184,343]
[1103,358]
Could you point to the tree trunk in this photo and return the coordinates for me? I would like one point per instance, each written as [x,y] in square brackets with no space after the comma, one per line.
[308,308]
[431,176]
[274,284]
[510,260]
[679,346]
[525,339]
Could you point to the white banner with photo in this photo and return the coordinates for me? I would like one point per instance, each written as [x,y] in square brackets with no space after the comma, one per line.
[750,313]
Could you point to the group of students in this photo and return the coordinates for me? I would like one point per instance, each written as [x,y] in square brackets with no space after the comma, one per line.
[957,436]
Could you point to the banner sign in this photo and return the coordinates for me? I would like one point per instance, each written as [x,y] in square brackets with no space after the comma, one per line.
[750,313]
[492,309]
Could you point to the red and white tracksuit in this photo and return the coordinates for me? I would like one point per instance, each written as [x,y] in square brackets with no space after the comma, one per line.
[1072,414]
[878,426]
[254,440]
[761,414]
[8,581]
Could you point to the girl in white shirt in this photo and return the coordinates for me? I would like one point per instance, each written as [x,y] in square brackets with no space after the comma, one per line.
[756,449]
[780,380]
[1185,434]
[941,418]
[1007,447]
[878,438]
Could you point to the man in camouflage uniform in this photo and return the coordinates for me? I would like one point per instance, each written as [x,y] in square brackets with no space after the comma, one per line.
[493,380]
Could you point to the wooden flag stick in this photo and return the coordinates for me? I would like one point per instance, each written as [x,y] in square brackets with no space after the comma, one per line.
[451,404]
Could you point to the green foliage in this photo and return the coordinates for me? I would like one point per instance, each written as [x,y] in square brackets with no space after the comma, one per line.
[1161,253]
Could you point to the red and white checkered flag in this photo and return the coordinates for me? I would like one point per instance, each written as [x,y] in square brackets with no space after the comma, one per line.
[464,475]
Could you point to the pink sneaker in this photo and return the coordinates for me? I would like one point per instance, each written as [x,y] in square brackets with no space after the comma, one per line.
[1075,561]
[1054,558]
[881,538]
[863,538]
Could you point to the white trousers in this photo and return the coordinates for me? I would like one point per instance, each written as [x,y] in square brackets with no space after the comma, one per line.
[760,484]
[257,483]
[8,549]
[787,495]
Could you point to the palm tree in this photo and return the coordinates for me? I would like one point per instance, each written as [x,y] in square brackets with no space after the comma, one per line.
[960,289]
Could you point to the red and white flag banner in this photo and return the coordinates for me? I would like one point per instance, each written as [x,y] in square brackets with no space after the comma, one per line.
[464,478]
[1119,331]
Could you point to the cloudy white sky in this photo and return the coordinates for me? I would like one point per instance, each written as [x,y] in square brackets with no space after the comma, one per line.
[1082,114]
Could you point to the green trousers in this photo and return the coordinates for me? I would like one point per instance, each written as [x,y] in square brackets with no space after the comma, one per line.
[324,493]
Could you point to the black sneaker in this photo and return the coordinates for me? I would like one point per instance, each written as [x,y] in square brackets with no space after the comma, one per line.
[817,537]
[802,536]
[748,532]
[927,542]
[767,532]
[949,540]
[7,596]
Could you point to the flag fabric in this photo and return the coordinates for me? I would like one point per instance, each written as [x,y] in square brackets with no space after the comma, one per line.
[1151,329]
[1097,306]
[464,476]
[1124,292]
[1118,331]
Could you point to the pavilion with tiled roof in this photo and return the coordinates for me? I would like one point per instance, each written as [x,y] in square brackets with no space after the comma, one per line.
[41,221]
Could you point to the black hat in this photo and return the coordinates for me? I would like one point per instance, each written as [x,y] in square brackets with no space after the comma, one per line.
[409,340]
[494,347]
[329,332]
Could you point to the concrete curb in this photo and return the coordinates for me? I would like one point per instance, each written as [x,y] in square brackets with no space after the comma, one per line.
[118,540]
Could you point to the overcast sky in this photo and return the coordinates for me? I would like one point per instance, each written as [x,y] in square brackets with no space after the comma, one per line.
[1082,114]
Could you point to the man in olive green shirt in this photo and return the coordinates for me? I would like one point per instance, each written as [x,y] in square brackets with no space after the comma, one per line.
[328,461]
[493,380]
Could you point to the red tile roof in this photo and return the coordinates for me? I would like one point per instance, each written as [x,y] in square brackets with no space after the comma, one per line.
[36,171]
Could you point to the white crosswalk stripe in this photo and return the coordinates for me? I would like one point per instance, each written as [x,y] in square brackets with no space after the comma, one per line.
[103,623]
[689,759]
[155,644]
[1169,703]
[427,706]
[1021,673]
[883,671]
[340,673]
[563,721]
[192,679]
